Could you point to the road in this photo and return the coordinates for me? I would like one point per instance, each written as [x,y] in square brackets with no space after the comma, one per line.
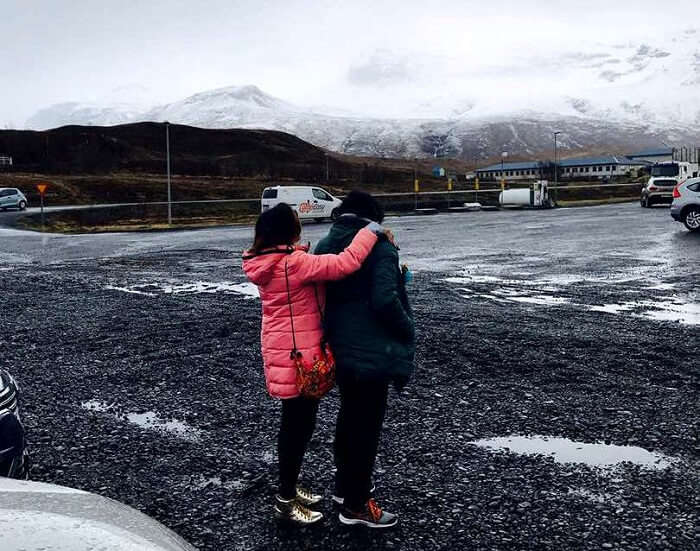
[572,236]
[139,360]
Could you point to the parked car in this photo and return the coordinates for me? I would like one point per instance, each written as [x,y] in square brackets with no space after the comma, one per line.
[45,516]
[14,460]
[36,516]
[657,191]
[309,202]
[12,198]
[686,204]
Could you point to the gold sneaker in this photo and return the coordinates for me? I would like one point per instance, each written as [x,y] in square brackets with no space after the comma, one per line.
[292,511]
[306,497]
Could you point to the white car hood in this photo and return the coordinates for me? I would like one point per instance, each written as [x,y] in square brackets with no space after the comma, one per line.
[36,516]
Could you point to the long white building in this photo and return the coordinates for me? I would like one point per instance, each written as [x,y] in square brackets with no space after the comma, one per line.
[602,167]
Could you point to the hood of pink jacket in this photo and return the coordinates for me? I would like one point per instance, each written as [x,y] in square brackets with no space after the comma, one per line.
[260,269]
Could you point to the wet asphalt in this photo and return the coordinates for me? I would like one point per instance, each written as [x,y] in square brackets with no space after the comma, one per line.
[572,323]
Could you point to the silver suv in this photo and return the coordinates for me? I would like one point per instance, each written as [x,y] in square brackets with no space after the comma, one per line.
[686,204]
[12,198]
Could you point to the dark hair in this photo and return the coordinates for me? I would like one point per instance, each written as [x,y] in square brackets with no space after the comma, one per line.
[278,226]
[363,205]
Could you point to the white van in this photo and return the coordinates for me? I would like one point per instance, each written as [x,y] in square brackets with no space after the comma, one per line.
[309,202]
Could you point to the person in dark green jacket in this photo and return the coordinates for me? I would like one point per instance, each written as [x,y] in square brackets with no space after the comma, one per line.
[369,325]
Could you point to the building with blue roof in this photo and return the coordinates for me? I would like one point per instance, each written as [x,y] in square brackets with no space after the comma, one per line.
[600,167]
[657,155]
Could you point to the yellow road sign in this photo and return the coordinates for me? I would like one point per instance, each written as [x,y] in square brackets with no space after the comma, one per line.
[42,188]
[416,185]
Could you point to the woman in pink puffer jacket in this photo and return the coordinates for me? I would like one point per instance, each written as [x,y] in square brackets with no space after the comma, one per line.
[277,232]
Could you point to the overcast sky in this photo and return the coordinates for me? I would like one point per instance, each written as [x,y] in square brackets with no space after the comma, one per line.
[363,55]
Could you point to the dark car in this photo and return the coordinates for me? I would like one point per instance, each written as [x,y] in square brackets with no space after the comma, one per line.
[14,460]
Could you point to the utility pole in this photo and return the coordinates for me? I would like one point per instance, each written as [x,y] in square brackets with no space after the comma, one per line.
[556,175]
[327,179]
[167,155]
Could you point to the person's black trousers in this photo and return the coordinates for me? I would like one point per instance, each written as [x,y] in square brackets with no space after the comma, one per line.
[296,428]
[362,410]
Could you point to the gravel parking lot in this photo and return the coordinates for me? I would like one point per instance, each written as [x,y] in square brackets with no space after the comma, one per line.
[139,359]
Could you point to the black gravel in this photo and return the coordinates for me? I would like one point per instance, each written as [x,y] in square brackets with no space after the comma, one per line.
[486,368]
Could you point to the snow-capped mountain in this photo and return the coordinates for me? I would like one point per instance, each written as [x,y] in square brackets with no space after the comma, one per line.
[619,96]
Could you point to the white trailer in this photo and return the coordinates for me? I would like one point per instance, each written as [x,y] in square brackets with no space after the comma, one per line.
[536,195]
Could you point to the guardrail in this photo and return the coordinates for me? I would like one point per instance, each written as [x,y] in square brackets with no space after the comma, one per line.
[390,194]
[244,209]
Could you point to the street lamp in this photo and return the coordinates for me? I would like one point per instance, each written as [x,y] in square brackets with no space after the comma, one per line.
[167,156]
[556,176]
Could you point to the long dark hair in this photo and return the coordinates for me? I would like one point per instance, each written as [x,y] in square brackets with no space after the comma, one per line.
[278,226]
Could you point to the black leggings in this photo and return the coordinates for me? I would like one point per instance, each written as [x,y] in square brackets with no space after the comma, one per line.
[362,410]
[298,423]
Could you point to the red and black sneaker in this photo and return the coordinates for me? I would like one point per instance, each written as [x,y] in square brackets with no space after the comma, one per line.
[371,516]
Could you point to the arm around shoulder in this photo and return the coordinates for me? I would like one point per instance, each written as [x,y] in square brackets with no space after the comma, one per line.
[330,267]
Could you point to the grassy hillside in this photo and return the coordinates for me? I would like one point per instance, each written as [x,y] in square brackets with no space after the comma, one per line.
[127,163]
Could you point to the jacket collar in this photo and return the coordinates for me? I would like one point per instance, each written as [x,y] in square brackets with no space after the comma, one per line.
[352,220]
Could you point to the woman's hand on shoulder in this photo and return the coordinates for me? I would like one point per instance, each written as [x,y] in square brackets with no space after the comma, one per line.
[390,237]
[380,231]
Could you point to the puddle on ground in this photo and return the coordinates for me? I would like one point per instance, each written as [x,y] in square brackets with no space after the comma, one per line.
[149,420]
[685,313]
[246,289]
[129,290]
[688,314]
[563,450]
[526,296]
[611,308]
[543,292]
[663,287]
[538,299]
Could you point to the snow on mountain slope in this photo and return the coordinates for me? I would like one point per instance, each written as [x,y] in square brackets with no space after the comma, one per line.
[62,114]
[626,95]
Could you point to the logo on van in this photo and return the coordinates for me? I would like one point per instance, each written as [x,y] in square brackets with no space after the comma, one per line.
[307,207]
